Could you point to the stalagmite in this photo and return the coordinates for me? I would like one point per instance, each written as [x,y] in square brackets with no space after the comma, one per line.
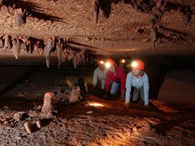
[47,107]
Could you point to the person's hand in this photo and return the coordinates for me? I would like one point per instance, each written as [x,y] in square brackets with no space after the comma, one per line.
[127,104]
[122,96]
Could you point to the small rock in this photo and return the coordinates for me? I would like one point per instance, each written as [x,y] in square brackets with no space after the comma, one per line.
[37,107]
[19,138]
[89,112]
[144,131]
[6,122]
[5,107]
[75,95]
[38,123]
[21,95]
[33,113]
[20,116]
[28,127]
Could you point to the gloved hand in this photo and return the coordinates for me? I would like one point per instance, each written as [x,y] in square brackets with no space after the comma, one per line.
[127,104]
[122,96]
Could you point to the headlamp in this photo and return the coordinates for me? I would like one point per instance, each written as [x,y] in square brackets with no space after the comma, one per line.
[138,64]
[101,62]
[107,64]
[123,60]
[134,64]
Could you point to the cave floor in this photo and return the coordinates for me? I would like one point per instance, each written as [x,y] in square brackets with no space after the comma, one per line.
[110,123]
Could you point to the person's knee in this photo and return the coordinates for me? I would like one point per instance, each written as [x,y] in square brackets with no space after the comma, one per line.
[114,88]
[135,99]
[112,92]
[135,95]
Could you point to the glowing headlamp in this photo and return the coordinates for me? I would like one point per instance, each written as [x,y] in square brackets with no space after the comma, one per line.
[101,62]
[123,61]
[107,64]
[134,64]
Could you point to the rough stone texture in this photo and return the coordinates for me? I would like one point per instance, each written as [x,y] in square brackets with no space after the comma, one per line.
[75,95]
[47,107]
[89,130]
[113,34]
[178,87]
[19,116]
[28,127]
[144,131]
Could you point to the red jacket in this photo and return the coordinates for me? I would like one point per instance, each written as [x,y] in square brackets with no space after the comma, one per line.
[118,76]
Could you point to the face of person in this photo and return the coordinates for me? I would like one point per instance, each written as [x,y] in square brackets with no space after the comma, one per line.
[112,68]
[136,72]
[101,67]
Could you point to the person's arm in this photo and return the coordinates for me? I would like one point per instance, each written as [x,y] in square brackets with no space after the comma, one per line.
[128,88]
[146,89]
[95,78]
[122,81]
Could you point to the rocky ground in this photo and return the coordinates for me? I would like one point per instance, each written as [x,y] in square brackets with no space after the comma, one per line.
[112,124]
[94,121]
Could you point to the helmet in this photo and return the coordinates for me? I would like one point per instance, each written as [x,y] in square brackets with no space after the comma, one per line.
[100,62]
[109,63]
[122,61]
[138,64]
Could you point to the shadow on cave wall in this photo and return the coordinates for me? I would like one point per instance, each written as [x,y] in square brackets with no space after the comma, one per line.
[17,81]
[144,6]
[32,9]
[157,68]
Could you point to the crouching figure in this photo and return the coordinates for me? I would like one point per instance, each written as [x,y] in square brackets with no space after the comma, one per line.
[137,84]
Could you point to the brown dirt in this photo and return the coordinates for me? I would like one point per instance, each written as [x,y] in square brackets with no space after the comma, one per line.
[82,124]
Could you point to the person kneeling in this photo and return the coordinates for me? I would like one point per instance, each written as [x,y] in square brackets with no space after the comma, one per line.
[115,79]
[138,79]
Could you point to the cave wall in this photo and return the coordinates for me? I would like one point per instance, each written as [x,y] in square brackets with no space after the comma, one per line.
[178,88]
